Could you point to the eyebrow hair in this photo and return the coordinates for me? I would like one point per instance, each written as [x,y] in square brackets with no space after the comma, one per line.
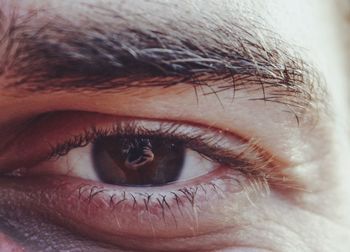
[43,51]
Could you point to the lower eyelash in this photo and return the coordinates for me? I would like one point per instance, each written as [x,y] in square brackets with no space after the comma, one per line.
[166,206]
[169,204]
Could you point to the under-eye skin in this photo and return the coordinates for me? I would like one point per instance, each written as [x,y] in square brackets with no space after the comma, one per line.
[110,177]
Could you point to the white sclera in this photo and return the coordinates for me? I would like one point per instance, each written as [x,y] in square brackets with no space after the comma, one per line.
[80,163]
[195,165]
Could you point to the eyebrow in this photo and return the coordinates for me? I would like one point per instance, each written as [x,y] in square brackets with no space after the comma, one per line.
[43,51]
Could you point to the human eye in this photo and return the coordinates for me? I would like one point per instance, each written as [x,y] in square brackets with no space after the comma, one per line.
[170,126]
[137,182]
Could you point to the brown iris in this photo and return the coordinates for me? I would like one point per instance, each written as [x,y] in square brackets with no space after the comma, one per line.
[138,161]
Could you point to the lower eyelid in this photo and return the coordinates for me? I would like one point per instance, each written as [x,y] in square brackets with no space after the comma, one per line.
[168,211]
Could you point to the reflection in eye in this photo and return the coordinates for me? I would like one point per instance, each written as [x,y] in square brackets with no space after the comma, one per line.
[137,160]
[149,161]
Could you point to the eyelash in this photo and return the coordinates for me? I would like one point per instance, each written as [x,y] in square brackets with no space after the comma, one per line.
[244,169]
[207,142]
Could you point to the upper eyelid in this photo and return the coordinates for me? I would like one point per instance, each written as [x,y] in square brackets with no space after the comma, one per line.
[191,135]
[56,125]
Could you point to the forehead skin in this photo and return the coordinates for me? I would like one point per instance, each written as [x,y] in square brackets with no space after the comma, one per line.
[311,28]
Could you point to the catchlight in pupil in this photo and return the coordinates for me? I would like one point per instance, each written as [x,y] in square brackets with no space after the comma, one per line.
[138,161]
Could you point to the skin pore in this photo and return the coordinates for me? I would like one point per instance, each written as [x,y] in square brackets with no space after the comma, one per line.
[265,78]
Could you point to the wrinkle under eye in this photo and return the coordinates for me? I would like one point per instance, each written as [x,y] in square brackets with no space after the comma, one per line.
[137,160]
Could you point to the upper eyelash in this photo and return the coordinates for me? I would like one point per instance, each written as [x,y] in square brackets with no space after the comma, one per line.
[169,131]
[209,147]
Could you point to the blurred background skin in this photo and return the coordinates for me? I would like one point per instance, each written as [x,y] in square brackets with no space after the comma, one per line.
[316,222]
[344,9]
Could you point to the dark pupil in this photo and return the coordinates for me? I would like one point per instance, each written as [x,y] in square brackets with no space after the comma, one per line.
[138,161]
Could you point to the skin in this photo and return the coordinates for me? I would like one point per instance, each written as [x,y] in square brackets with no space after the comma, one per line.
[315,153]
